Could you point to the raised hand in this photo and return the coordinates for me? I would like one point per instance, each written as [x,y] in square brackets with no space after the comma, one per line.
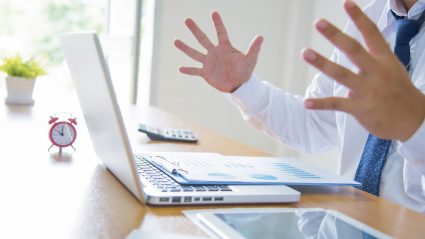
[223,66]
[381,97]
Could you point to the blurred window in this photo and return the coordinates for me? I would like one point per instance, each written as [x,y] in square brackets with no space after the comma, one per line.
[32,28]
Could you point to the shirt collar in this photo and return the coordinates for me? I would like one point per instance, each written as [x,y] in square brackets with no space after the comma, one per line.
[397,7]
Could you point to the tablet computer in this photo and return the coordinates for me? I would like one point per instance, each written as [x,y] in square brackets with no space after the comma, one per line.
[284,223]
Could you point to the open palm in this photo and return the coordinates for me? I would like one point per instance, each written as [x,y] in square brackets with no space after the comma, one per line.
[223,67]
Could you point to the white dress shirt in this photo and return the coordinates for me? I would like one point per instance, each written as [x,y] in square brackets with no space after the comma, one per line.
[283,116]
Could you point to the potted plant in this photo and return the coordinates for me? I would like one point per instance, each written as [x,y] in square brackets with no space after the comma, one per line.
[20,79]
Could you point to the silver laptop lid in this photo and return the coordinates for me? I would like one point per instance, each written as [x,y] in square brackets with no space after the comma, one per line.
[90,73]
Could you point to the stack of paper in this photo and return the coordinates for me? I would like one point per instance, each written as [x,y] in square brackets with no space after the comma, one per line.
[209,168]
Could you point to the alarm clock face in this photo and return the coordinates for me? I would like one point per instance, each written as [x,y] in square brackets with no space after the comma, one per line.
[62,134]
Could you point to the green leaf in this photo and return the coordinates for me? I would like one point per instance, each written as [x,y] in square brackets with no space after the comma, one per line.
[16,66]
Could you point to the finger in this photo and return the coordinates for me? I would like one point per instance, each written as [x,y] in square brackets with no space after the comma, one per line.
[352,48]
[193,71]
[333,70]
[370,32]
[330,103]
[254,48]
[199,34]
[189,51]
[220,28]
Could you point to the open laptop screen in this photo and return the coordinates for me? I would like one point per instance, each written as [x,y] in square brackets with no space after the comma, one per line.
[90,73]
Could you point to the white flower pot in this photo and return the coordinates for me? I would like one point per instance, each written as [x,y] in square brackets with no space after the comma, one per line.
[19,90]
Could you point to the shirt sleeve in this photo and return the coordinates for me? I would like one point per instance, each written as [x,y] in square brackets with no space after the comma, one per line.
[283,116]
[423,184]
[414,149]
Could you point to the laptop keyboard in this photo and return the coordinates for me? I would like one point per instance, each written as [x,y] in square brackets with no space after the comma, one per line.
[165,183]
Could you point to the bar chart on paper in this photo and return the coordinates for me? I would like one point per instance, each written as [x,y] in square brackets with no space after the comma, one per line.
[219,169]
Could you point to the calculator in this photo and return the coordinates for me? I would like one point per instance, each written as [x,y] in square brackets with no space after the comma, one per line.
[169,134]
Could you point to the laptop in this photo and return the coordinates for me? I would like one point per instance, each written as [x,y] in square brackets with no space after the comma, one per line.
[147,182]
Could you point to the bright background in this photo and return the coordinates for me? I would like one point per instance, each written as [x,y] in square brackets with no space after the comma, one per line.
[32,29]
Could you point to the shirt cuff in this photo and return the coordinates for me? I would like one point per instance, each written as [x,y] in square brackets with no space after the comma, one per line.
[251,95]
[414,147]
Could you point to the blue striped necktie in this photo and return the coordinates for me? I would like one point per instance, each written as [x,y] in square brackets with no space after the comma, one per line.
[375,151]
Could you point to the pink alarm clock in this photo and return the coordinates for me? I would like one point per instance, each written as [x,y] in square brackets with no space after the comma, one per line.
[63,132]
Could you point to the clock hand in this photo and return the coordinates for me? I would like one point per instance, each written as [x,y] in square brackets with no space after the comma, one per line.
[62,130]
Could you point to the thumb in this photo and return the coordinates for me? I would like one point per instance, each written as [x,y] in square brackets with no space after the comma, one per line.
[254,48]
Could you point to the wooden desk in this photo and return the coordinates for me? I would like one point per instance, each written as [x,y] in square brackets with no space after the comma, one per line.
[46,196]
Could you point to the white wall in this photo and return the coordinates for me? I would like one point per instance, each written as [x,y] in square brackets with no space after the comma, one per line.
[287,28]
[190,97]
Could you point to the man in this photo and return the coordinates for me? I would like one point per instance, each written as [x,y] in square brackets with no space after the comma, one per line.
[368,101]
